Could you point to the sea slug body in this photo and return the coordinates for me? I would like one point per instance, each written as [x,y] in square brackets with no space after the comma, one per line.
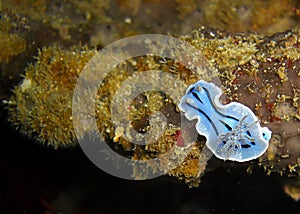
[232,131]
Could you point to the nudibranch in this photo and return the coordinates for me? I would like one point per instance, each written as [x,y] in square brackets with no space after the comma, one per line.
[232,131]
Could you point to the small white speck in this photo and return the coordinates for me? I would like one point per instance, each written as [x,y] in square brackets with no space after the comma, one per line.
[25,84]
[128,20]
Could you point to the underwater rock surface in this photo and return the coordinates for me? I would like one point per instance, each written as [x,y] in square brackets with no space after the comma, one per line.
[261,72]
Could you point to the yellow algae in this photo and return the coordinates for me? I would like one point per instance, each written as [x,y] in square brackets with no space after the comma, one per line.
[11,45]
[41,105]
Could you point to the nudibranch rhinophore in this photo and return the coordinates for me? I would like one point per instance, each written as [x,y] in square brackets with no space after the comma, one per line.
[232,131]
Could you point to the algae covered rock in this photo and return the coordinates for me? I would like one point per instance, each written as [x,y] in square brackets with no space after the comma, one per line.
[259,71]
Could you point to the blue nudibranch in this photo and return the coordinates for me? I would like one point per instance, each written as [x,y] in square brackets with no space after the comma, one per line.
[232,131]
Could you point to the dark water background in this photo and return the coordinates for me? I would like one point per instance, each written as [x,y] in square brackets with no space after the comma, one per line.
[36,179]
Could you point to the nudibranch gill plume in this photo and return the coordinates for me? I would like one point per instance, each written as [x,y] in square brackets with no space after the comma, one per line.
[232,131]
